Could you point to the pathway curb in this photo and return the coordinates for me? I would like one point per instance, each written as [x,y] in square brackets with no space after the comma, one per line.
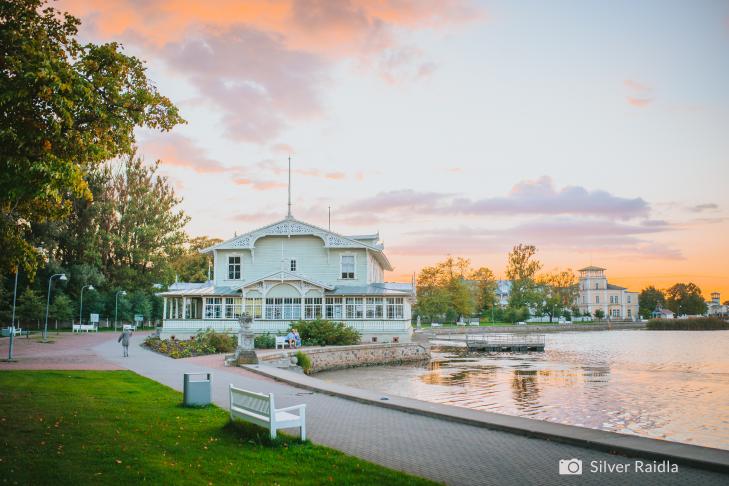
[622,444]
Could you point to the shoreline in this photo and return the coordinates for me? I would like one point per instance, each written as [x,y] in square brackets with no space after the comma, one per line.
[612,442]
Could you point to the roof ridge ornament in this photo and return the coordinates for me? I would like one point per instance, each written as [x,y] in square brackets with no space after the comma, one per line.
[288,215]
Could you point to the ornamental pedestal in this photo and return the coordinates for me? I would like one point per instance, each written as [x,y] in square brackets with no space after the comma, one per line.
[245,354]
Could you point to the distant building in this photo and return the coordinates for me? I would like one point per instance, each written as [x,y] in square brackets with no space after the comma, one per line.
[503,292]
[662,314]
[714,307]
[596,293]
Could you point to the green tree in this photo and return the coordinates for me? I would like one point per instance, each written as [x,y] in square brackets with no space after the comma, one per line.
[191,265]
[685,299]
[147,231]
[31,307]
[444,289]
[650,298]
[66,107]
[485,282]
[557,292]
[62,308]
[433,302]
[522,267]
[599,314]
[141,304]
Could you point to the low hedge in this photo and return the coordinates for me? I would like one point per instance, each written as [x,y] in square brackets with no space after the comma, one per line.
[690,324]
[321,332]
[205,342]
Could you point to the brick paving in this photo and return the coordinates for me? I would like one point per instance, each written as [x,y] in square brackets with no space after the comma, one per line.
[434,448]
[441,450]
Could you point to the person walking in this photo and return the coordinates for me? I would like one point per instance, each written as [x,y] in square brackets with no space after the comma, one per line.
[124,339]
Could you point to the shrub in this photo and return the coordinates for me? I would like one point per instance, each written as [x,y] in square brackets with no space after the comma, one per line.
[320,332]
[304,361]
[691,324]
[265,341]
[206,342]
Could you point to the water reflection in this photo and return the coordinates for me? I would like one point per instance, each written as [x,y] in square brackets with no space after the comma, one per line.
[670,385]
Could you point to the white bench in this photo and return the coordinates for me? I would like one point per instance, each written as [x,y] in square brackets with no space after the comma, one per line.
[129,327]
[85,328]
[435,324]
[281,340]
[259,409]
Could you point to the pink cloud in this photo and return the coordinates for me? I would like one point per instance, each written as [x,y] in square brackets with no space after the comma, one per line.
[638,102]
[640,93]
[528,197]
[263,64]
[180,151]
[259,185]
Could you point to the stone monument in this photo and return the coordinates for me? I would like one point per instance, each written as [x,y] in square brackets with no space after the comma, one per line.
[245,354]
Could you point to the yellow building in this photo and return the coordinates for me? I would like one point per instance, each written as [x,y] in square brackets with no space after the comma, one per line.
[596,293]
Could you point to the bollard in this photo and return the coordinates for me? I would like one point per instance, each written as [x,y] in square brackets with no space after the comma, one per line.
[197,393]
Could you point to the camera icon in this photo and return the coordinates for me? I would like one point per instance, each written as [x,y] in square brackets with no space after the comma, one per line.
[570,467]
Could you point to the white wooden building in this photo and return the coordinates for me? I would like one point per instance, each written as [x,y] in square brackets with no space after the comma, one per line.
[292,270]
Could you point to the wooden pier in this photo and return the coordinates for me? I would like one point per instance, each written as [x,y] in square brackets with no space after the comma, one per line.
[505,342]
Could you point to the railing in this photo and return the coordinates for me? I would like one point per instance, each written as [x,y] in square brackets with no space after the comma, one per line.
[275,326]
[506,339]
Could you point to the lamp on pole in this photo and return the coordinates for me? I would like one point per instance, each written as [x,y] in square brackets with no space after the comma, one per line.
[116,305]
[81,306]
[61,276]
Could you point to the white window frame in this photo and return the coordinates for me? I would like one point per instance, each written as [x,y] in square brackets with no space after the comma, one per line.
[231,267]
[341,268]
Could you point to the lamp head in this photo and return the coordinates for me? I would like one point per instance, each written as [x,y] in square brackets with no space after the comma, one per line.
[63,277]
[91,287]
[123,292]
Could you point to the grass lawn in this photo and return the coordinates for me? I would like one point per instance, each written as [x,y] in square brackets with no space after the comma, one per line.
[103,427]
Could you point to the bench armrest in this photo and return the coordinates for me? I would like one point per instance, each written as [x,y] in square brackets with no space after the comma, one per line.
[293,407]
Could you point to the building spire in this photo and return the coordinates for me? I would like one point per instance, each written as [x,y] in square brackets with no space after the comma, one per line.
[289,213]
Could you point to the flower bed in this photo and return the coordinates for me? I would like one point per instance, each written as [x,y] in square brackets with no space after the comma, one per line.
[205,342]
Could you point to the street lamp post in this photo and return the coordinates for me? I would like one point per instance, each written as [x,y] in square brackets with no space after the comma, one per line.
[116,306]
[61,276]
[81,306]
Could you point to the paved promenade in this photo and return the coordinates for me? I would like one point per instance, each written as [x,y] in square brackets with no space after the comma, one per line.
[441,450]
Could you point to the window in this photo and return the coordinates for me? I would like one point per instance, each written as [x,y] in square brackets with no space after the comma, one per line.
[214,308]
[597,299]
[283,308]
[630,313]
[312,308]
[347,266]
[233,268]
[394,308]
[333,308]
[375,308]
[597,286]
[254,307]
[233,307]
[292,265]
[354,308]
[191,309]
[629,299]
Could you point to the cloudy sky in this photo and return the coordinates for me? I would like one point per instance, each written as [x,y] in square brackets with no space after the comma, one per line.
[598,131]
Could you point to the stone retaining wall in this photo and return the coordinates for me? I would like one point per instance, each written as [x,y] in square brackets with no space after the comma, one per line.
[337,357]
[603,326]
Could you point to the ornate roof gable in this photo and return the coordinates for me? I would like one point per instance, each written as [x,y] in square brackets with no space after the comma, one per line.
[290,227]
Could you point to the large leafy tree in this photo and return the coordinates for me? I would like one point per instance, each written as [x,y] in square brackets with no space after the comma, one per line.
[191,265]
[685,299]
[31,307]
[65,108]
[650,298]
[521,268]
[557,292]
[452,288]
